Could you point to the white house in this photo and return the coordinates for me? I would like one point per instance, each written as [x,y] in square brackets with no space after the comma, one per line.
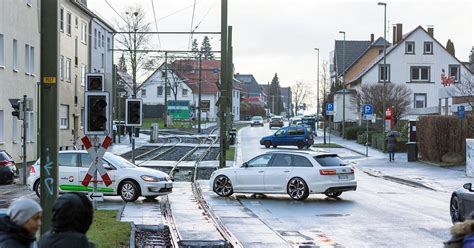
[416,60]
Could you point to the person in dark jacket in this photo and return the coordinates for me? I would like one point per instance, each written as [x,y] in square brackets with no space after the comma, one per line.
[72,217]
[462,234]
[20,224]
[391,144]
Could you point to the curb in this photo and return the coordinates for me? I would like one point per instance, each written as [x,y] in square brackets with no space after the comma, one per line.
[408,182]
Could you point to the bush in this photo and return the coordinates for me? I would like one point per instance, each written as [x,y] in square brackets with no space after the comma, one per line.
[361,137]
[378,141]
[351,132]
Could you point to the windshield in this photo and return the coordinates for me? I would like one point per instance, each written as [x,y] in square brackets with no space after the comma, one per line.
[329,160]
[118,161]
[257,118]
[276,118]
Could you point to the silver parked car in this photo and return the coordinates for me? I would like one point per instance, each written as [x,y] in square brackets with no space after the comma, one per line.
[462,203]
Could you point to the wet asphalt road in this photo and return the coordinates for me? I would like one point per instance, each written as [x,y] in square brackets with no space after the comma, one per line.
[380,213]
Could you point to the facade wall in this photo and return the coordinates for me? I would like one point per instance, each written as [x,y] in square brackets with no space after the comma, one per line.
[150,88]
[210,115]
[362,63]
[19,21]
[236,104]
[71,90]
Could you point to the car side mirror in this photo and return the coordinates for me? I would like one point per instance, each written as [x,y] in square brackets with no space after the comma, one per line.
[468,186]
[245,164]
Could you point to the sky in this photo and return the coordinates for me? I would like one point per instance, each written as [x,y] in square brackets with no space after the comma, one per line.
[279,36]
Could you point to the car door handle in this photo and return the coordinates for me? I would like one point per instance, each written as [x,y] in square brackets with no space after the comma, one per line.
[286,171]
[260,171]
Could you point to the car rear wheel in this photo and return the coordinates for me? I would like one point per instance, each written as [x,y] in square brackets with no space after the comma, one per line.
[267,144]
[37,188]
[223,186]
[333,194]
[297,189]
[274,146]
[151,197]
[129,191]
[454,210]
[300,145]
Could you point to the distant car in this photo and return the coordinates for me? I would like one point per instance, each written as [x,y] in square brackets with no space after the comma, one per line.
[462,203]
[295,121]
[128,180]
[276,121]
[298,136]
[8,170]
[256,121]
[297,174]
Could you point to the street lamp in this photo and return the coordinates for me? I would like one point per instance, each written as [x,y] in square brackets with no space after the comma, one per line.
[317,93]
[384,66]
[343,85]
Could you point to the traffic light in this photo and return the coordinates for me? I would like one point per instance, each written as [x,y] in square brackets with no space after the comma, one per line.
[133,112]
[17,106]
[97,113]
[94,82]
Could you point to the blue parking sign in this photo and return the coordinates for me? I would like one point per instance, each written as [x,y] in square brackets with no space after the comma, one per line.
[368,110]
[329,108]
[461,112]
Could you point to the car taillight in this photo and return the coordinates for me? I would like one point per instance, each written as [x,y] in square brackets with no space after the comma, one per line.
[5,163]
[327,172]
[32,170]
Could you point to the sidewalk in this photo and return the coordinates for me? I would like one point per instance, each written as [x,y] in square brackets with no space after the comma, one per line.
[418,174]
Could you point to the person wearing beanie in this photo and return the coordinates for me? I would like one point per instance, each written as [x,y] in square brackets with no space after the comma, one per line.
[20,224]
[72,217]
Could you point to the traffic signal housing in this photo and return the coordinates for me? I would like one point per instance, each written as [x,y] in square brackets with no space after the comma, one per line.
[133,112]
[94,82]
[97,121]
[17,106]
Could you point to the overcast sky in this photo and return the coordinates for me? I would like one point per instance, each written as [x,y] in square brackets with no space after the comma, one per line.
[279,36]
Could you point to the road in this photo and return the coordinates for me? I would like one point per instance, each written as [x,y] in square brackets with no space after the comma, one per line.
[380,213]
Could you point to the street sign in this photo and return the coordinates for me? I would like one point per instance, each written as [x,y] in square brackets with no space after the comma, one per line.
[368,111]
[461,113]
[95,196]
[96,161]
[205,105]
[329,108]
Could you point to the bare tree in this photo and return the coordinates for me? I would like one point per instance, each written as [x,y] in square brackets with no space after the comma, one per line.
[323,85]
[398,96]
[300,91]
[132,42]
[465,89]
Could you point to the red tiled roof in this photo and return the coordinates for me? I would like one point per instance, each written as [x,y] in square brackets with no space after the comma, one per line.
[188,70]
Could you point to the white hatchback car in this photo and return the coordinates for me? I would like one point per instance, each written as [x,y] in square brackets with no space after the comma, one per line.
[296,173]
[128,180]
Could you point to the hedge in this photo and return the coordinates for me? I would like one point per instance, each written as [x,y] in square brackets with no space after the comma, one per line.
[361,137]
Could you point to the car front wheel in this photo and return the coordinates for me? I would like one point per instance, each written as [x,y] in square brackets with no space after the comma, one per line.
[223,186]
[300,145]
[129,191]
[297,189]
[37,188]
[454,210]
[267,144]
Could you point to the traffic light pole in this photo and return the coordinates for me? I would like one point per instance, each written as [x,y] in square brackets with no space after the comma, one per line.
[49,109]
[25,125]
[223,87]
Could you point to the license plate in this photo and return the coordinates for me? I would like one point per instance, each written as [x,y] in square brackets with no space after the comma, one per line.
[343,177]
[168,185]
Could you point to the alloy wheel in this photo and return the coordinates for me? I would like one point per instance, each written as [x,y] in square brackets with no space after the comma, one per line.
[223,186]
[454,210]
[297,189]
[128,191]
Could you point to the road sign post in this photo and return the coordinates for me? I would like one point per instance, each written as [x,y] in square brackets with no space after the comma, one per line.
[368,110]
[330,112]
[461,112]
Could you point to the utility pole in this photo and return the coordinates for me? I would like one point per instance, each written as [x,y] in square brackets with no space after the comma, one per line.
[343,85]
[49,109]
[25,126]
[223,87]
[230,78]
[317,93]
[199,93]
[165,114]
[385,68]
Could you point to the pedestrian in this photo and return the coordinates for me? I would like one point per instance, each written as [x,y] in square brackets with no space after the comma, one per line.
[72,217]
[391,144]
[129,129]
[462,234]
[20,224]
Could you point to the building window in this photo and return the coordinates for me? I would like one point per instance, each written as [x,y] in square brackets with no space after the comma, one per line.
[61,20]
[2,50]
[159,91]
[420,101]
[103,62]
[98,37]
[64,116]
[84,32]
[83,75]
[76,22]
[420,73]
[32,60]
[103,41]
[95,38]
[384,73]
[82,118]
[454,71]
[410,47]
[108,43]
[428,47]
[2,138]
[15,55]
[68,27]
[143,92]
[68,70]
[15,135]
[185,92]
[27,58]
[61,67]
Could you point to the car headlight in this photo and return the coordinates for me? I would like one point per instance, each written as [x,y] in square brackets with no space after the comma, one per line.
[147,178]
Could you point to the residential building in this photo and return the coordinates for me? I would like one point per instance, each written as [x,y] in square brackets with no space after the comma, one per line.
[416,60]
[19,73]
[286,98]
[250,87]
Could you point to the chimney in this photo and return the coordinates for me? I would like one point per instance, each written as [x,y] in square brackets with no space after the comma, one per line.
[399,32]
[431,30]
[371,38]
[394,36]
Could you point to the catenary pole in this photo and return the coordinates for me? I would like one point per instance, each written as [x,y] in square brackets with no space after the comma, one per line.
[199,93]
[384,93]
[223,89]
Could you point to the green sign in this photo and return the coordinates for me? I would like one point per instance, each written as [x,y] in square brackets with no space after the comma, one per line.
[179,110]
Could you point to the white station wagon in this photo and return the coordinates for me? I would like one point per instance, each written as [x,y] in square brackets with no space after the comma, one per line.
[128,180]
[297,174]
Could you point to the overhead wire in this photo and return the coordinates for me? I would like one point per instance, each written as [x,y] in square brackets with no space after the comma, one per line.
[192,23]
[106,1]
[156,23]
[207,13]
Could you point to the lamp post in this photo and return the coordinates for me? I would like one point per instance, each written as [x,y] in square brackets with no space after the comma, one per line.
[317,93]
[343,84]
[384,66]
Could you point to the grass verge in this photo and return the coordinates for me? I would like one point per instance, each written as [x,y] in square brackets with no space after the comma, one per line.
[229,155]
[107,231]
[332,145]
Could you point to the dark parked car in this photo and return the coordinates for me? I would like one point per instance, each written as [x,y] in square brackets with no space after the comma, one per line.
[276,121]
[298,136]
[462,203]
[8,170]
